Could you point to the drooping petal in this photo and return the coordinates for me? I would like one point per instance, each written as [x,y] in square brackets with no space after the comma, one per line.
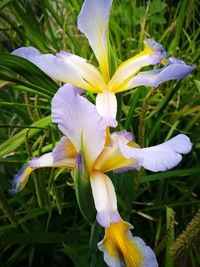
[54,66]
[78,119]
[87,71]
[111,158]
[161,157]
[120,248]
[93,21]
[20,179]
[153,54]
[106,104]
[176,69]
[104,198]
[63,155]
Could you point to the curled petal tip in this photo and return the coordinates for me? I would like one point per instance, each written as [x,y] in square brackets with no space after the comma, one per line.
[155,47]
[20,179]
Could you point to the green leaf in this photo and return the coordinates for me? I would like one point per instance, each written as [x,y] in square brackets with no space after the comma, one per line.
[28,71]
[18,139]
[197,84]
[84,196]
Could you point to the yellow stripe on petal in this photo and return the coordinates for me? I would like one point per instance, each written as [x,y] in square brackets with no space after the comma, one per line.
[151,55]
[20,180]
[111,157]
[119,247]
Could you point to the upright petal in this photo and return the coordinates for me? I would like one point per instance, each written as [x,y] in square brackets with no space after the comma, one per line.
[176,69]
[93,21]
[106,104]
[120,248]
[153,54]
[161,157]
[56,67]
[104,198]
[78,119]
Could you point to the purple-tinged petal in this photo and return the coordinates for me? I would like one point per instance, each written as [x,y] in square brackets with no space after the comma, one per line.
[104,198]
[176,69]
[20,180]
[56,67]
[161,157]
[93,21]
[151,55]
[64,150]
[47,160]
[78,119]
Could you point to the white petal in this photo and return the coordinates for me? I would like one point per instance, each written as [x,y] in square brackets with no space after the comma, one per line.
[47,160]
[56,67]
[87,71]
[93,21]
[78,119]
[106,104]
[161,157]
[104,198]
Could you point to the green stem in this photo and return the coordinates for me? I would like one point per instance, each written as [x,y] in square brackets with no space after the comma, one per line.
[143,114]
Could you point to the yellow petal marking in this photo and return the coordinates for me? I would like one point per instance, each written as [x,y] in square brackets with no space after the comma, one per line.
[111,157]
[117,243]
[118,82]
[25,177]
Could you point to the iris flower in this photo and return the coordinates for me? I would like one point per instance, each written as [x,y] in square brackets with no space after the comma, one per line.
[93,23]
[87,141]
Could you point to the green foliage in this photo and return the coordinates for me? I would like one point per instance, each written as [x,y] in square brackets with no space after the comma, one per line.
[55,234]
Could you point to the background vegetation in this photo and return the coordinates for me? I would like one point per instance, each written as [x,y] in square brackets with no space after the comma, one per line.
[45,228]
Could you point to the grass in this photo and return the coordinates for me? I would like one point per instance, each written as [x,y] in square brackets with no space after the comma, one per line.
[52,231]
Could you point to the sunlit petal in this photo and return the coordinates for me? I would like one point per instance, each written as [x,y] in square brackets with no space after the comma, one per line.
[151,55]
[176,69]
[120,248]
[161,157]
[93,21]
[104,198]
[106,104]
[87,71]
[111,158]
[56,67]
[78,119]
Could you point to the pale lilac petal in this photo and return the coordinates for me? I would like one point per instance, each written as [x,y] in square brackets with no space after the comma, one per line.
[21,179]
[93,21]
[78,119]
[151,55]
[176,69]
[104,198]
[149,257]
[64,150]
[56,67]
[161,157]
[106,104]
[47,160]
